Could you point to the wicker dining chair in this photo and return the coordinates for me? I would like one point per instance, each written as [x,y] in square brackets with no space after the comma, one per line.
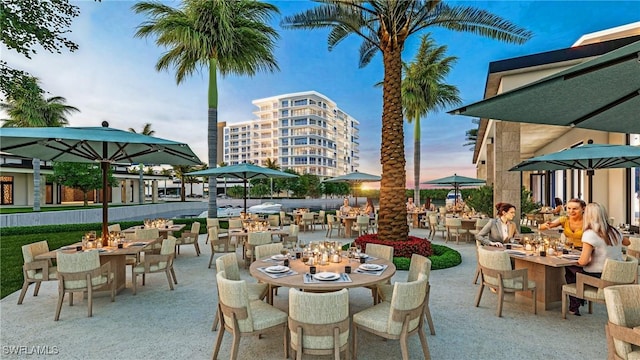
[496,273]
[419,265]
[229,264]
[396,319]
[155,263]
[592,289]
[243,317]
[319,323]
[82,272]
[220,243]
[36,271]
[382,252]
[622,330]
[190,238]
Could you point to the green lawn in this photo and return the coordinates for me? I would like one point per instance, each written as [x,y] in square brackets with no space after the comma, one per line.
[11,256]
[13,238]
[18,210]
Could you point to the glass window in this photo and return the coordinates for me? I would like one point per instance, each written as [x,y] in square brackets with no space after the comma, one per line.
[284,113]
[284,122]
[284,132]
[299,122]
[284,103]
[6,188]
[300,102]
[300,141]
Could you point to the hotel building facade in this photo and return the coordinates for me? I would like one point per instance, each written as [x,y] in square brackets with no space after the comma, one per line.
[306,132]
[501,145]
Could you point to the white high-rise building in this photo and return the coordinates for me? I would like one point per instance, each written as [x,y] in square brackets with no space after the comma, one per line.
[304,131]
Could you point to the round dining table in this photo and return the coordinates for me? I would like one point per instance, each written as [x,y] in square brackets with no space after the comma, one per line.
[358,279]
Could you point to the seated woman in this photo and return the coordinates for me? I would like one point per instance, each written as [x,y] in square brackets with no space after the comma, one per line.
[369,209]
[501,229]
[599,242]
[345,208]
[559,207]
[571,224]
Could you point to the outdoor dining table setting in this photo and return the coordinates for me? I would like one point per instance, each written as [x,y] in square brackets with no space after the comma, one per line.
[321,271]
[115,252]
[544,260]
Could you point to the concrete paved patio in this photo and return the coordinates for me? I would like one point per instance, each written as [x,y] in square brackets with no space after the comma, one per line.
[162,324]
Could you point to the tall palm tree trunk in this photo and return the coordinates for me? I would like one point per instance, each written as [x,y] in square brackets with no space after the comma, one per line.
[416,162]
[212,136]
[393,212]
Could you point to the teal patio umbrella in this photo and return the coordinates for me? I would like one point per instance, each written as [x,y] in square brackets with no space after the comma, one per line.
[587,157]
[102,145]
[599,94]
[244,172]
[456,181]
[354,179]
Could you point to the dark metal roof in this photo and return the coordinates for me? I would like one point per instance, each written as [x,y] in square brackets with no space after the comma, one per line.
[555,56]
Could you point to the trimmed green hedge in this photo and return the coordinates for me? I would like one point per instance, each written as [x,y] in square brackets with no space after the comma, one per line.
[50,229]
[443,257]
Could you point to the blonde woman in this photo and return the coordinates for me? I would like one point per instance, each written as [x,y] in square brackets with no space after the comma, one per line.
[571,224]
[599,242]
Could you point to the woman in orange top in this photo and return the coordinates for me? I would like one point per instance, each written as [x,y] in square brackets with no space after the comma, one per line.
[571,224]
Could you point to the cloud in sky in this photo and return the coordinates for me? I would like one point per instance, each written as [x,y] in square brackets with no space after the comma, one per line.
[112,76]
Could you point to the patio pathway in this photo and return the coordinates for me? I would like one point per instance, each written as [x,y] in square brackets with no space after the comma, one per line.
[162,324]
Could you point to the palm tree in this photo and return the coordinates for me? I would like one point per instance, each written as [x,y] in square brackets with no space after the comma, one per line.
[146,130]
[230,37]
[385,25]
[271,164]
[180,171]
[34,110]
[472,135]
[424,90]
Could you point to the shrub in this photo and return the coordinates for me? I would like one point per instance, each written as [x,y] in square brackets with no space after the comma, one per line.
[525,230]
[442,257]
[413,245]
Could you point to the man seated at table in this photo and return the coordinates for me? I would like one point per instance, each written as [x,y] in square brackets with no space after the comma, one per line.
[345,208]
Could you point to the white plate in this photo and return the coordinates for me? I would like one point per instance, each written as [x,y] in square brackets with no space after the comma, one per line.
[362,255]
[276,269]
[370,267]
[326,276]
[279,257]
[571,256]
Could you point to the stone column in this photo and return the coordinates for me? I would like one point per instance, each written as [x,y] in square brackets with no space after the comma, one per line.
[491,162]
[507,154]
[154,191]
[125,191]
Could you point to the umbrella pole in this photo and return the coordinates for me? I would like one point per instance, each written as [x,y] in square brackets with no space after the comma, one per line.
[105,204]
[590,188]
[245,196]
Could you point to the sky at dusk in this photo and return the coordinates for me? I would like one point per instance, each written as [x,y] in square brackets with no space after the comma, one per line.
[112,76]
